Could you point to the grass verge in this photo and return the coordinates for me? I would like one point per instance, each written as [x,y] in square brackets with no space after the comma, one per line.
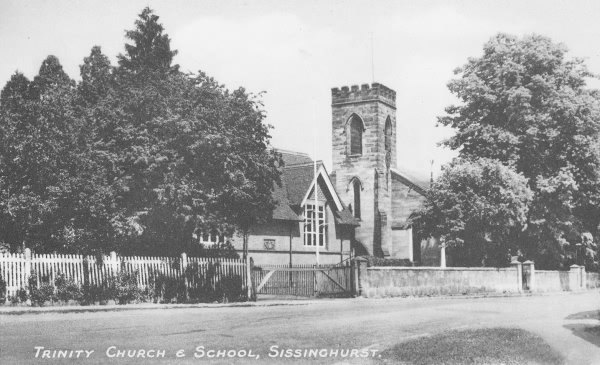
[477,346]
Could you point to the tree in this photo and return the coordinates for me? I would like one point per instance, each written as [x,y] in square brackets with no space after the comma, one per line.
[526,105]
[135,158]
[97,77]
[478,208]
[43,161]
[186,155]
[15,123]
[151,49]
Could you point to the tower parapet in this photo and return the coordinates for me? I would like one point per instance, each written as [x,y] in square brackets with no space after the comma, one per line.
[364,93]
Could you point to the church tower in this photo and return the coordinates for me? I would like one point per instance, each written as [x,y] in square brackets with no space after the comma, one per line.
[364,150]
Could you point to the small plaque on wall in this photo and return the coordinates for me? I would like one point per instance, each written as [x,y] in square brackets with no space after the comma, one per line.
[269,244]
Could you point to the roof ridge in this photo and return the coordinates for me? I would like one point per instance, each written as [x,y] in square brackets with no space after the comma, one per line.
[319,163]
[410,180]
[289,152]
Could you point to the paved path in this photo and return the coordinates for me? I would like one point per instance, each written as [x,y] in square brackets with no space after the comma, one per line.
[329,324]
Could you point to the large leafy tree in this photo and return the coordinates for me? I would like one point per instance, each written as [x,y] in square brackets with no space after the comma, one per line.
[154,156]
[525,104]
[43,160]
[477,208]
[191,155]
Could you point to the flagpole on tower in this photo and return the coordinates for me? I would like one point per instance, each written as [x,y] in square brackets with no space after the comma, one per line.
[372,59]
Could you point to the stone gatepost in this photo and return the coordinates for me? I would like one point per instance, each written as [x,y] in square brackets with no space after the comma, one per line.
[443,255]
[575,278]
[529,274]
[359,272]
[583,278]
[519,266]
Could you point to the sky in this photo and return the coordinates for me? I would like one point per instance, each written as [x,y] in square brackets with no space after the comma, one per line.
[296,51]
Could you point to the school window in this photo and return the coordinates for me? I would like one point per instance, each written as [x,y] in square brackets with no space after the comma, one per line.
[210,238]
[314,223]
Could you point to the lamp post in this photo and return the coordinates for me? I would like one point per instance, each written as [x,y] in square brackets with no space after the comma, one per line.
[577,246]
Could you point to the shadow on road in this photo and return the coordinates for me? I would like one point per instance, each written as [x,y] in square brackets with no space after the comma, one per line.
[584,315]
[585,331]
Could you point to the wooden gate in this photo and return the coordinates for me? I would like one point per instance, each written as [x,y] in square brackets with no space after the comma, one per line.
[303,280]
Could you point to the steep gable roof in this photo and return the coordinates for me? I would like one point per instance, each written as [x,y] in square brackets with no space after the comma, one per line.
[297,185]
[282,210]
[298,179]
[324,177]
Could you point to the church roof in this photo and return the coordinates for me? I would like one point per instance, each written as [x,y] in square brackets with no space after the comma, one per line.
[345,217]
[291,158]
[421,185]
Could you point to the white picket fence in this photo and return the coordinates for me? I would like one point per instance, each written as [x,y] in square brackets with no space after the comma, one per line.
[16,269]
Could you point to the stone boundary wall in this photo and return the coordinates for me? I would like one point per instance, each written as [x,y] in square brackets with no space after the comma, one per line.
[592,280]
[422,281]
[552,281]
[394,281]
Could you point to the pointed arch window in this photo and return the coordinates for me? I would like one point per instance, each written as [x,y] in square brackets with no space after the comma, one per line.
[388,134]
[388,141]
[356,131]
[356,188]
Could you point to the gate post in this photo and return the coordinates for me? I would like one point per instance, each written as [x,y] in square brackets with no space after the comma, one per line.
[252,295]
[529,274]
[315,283]
[583,278]
[519,267]
[359,268]
[353,281]
[575,278]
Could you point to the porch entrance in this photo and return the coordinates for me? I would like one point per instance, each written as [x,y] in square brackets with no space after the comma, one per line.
[303,280]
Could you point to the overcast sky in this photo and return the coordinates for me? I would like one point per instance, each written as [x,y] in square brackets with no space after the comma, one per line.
[297,51]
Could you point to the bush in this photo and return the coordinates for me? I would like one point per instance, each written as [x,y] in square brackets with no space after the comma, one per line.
[378,261]
[38,293]
[201,286]
[98,293]
[21,296]
[124,288]
[67,289]
[42,294]
[91,294]
[169,290]
[228,289]
[233,288]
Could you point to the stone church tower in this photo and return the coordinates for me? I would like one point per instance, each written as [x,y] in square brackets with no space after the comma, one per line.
[364,151]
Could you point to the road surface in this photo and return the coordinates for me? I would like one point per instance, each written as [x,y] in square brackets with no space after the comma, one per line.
[260,335]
